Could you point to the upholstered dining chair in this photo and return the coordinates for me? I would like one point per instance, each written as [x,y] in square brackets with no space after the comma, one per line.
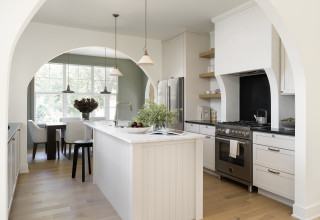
[62,131]
[39,136]
[75,130]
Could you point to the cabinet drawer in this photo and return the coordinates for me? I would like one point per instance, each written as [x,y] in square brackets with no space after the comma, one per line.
[274,181]
[195,128]
[274,140]
[275,158]
[207,130]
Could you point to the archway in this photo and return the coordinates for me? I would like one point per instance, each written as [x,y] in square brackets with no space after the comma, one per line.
[306,83]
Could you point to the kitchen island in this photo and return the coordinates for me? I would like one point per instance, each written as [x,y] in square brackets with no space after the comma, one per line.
[148,177]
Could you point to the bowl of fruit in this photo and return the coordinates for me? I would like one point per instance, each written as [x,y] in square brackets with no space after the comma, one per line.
[136,128]
[288,123]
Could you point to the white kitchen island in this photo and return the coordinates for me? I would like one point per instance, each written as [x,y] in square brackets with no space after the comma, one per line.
[148,177]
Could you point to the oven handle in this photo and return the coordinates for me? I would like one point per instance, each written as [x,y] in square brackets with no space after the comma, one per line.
[224,139]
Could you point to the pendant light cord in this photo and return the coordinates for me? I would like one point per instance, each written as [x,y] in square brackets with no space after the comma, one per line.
[105,67]
[115,39]
[68,69]
[145,26]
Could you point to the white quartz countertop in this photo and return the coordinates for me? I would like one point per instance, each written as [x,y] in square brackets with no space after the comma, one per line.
[106,127]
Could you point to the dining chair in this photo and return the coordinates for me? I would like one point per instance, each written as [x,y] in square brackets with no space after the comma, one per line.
[62,131]
[97,118]
[39,136]
[75,130]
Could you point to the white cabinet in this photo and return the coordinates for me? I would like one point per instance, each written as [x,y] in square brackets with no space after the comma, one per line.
[208,143]
[273,163]
[13,165]
[194,128]
[287,82]
[173,57]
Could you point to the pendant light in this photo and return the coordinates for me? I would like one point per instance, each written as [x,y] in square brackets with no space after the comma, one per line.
[145,60]
[115,71]
[68,87]
[105,91]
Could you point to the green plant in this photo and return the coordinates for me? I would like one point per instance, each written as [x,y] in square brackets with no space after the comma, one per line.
[156,115]
[288,119]
[85,105]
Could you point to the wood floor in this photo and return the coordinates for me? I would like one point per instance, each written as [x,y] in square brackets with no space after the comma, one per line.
[48,192]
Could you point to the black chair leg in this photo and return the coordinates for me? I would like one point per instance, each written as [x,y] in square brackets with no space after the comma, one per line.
[83,166]
[75,160]
[89,163]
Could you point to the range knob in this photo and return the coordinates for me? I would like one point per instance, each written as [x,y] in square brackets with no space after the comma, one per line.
[247,134]
[223,131]
[227,131]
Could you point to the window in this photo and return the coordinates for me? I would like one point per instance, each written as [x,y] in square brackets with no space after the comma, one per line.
[87,82]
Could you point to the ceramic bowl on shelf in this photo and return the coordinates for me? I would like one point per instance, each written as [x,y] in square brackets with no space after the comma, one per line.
[208,92]
[138,130]
[288,125]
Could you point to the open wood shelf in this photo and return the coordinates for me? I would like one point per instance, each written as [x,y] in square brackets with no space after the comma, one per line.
[207,54]
[209,96]
[207,75]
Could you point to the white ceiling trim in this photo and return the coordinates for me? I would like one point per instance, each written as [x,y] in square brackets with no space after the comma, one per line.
[233,11]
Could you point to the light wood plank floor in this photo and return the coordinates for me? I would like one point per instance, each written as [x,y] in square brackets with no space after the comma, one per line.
[48,192]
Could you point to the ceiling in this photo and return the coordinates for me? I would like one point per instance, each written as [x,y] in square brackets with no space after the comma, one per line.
[166,18]
[98,52]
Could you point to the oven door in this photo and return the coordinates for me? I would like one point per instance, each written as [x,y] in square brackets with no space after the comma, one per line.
[239,167]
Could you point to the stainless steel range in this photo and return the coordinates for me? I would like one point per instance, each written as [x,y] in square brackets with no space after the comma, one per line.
[240,167]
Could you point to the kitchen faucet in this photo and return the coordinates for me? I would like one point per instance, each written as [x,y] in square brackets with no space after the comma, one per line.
[116,115]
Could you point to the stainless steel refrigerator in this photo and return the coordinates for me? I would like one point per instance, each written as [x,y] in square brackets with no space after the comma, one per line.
[171,94]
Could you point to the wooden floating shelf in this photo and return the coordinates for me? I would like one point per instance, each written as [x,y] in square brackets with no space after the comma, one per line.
[208,54]
[207,75]
[209,96]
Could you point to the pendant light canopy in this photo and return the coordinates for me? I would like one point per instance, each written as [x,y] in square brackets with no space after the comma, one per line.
[115,71]
[145,60]
[105,91]
[68,87]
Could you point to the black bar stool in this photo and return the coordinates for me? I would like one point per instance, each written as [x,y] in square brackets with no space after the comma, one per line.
[84,144]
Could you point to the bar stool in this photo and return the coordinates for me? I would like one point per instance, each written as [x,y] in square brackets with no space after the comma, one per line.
[84,144]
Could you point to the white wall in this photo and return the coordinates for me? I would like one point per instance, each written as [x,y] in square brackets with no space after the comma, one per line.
[42,42]
[247,41]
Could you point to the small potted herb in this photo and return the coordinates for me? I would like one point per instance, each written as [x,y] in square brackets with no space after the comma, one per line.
[85,106]
[288,123]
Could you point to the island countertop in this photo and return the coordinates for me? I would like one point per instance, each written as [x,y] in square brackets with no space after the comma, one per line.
[107,128]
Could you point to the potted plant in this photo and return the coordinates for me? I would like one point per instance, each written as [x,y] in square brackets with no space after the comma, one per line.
[85,106]
[156,115]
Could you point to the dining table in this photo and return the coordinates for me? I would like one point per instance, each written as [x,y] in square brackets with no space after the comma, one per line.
[51,138]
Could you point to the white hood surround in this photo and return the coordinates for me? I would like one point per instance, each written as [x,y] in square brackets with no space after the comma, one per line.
[245,41]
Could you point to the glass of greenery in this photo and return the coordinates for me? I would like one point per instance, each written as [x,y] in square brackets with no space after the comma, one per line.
[156,115]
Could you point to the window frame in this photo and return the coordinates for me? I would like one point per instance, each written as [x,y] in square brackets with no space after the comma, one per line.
[91,94]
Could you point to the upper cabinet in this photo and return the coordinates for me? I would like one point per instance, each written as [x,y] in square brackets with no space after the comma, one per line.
[287,83]
[173,57]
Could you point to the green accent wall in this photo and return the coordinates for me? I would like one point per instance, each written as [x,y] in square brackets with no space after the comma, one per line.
[131,86]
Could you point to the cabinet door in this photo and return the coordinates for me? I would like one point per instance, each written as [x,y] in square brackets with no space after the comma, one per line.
[9,173]
[194,128]
[17,156]
[287,83]
[167,58]
[209,152]
[178,56]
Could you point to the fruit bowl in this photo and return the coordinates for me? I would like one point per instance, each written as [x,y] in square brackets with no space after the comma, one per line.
[137,130]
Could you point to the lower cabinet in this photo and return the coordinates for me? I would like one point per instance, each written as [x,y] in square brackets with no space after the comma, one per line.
[209,152]
[13,166]
[273,163]
[208,143]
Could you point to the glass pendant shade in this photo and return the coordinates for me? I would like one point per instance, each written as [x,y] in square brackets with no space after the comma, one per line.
[145,60]
[115,72]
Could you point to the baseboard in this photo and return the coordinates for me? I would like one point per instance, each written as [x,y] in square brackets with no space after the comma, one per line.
[210,171]
[24,168]
[306,213]
[275,197]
